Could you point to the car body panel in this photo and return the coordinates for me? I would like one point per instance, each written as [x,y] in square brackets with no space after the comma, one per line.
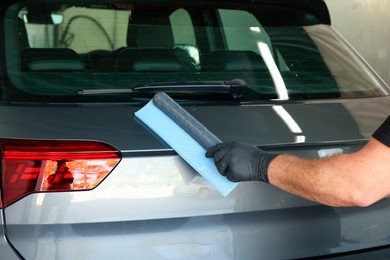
[139,197]
[345,120]
[6,250]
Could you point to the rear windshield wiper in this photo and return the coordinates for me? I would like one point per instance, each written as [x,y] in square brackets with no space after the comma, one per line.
[233,87]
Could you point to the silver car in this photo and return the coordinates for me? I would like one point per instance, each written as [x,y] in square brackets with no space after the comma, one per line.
[81,178]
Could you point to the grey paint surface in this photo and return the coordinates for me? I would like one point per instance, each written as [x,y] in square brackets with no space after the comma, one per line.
[255,123]
[151,205]
[5,251]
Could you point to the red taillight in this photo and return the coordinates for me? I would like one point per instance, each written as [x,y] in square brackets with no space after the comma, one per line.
[30,166]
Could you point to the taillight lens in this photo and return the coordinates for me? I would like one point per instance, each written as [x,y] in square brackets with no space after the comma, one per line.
[30,166]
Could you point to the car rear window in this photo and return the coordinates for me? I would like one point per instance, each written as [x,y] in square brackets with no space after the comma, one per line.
[103,51]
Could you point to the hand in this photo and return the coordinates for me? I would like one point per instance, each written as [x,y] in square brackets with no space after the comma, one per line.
[239,161]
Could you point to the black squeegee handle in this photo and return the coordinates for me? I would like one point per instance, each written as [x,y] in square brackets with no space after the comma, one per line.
[185,120]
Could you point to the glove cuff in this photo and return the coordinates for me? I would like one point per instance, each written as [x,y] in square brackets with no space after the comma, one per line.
[264,162]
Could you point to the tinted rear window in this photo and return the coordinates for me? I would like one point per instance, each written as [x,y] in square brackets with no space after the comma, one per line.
[70,51]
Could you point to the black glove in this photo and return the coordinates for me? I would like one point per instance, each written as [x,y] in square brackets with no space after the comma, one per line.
[240,161]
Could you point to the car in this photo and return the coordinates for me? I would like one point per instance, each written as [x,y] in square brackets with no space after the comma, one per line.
[82,178]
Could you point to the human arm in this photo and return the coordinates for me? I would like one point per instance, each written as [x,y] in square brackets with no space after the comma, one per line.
[357,179]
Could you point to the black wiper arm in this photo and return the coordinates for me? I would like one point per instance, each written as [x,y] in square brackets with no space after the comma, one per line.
[102,91]
[233,87]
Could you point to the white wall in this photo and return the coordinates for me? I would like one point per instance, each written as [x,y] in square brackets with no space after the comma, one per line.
[366,25]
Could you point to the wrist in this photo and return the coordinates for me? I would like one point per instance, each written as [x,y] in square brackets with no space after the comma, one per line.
[264,163]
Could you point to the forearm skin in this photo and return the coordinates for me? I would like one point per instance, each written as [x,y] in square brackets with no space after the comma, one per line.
[357,179]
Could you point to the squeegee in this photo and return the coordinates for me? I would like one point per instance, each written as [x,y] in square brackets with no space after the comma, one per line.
[186,135]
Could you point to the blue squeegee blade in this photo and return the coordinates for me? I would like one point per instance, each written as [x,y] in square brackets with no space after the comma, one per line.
[189,149]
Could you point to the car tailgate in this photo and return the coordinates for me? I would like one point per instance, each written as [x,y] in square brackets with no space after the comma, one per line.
[154,205]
